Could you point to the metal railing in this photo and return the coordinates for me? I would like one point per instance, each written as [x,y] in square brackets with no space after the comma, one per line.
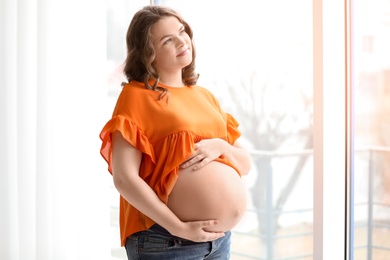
[372,202]
[271,213]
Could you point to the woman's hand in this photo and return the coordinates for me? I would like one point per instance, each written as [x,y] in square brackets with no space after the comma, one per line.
[205,151]
[197,231]
[208,150]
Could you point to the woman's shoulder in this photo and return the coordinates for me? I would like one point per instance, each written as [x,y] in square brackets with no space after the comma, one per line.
[201,89]
[205,92]
[135,90]
[133,86]
[133,98]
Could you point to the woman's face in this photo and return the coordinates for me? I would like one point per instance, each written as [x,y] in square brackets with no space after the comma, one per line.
[172,45]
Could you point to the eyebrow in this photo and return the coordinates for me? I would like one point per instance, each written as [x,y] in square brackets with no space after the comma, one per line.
[169,35]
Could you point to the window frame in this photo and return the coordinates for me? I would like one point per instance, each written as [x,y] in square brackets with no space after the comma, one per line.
[333,137]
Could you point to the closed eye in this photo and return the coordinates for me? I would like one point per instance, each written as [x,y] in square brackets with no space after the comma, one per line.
[167,41]
[168,38]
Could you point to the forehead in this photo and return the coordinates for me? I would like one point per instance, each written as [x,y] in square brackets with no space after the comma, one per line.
[165,26]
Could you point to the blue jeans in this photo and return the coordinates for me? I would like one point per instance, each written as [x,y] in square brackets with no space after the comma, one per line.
[157,243]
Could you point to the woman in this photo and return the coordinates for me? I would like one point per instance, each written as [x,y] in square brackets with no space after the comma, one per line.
[172,151]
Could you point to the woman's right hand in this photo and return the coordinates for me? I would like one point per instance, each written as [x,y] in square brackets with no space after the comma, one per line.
[197,231]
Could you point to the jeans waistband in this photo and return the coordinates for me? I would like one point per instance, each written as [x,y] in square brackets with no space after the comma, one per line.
[159,229]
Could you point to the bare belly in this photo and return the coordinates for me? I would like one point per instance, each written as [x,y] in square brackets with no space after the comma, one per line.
[214,192]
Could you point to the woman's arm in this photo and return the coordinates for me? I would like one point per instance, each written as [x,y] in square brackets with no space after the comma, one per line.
[208,150]
[239,156]
[126,162]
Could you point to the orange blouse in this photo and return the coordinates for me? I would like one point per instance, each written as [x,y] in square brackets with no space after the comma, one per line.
[165,132]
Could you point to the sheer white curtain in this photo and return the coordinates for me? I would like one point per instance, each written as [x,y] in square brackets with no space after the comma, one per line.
[53,183]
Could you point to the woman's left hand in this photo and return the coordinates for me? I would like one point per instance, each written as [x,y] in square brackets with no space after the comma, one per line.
[205,151]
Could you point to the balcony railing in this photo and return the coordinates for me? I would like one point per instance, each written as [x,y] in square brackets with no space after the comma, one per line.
[270,210]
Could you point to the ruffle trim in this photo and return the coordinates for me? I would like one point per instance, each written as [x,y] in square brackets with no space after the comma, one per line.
[131,132]
[232,129]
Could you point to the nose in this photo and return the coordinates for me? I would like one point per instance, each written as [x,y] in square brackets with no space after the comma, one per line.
[180,41]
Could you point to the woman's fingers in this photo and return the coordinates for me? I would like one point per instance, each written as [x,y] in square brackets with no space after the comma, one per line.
[198,230]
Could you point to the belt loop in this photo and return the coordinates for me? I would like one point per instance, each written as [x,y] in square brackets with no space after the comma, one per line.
[178,242]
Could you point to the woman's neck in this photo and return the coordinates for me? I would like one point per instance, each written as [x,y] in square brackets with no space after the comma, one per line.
[172,80]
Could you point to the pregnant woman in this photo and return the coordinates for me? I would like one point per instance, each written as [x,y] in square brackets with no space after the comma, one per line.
[172,151]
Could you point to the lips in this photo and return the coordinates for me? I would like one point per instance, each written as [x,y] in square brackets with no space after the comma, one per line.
[184,52]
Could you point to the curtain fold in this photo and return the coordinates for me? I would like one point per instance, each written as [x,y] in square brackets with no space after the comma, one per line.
[54,186]
[8,143]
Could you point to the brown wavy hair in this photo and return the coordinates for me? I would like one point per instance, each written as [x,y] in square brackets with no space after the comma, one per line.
[139,64]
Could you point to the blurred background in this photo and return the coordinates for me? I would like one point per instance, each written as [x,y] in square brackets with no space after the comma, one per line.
[60,71]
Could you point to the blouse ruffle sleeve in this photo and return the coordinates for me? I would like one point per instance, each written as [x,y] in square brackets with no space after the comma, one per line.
[232,129]
[130,131]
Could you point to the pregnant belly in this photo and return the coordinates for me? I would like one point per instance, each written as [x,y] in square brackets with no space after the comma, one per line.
[214,192]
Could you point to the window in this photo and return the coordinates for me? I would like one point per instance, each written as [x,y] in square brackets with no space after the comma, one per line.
[371,36]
